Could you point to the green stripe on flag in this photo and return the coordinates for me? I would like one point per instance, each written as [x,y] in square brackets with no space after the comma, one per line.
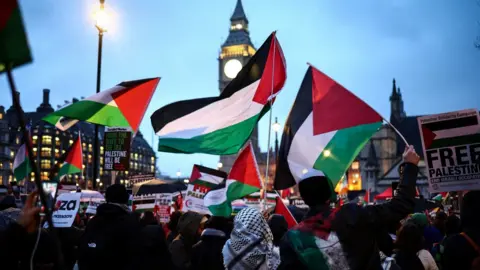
[22,171]
[454,141]
[221,210]
[67,169]
[344,147]
[237,190]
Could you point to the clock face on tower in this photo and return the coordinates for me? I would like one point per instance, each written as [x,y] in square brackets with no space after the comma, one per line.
[231,68]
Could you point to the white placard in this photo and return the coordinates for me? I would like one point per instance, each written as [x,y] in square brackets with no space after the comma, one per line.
[68,204]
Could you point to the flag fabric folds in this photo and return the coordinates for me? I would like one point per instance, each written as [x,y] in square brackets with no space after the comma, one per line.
[14,49]
[326,129]
[121,106]
[281,209]
[221,125]
[206,177]
[244,179]
[73,162]
[21,165]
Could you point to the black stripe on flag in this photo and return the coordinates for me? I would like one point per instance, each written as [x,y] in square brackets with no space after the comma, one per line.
[211,171]
[302,107]
[250,73]
[135,83]
[453,123]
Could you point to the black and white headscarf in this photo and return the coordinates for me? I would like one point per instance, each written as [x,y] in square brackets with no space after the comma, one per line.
[251,243]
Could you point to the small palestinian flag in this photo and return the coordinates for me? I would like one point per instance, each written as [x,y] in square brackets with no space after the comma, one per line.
[73,162]
[221,125]
[14,49]
[281,209]
[21,164]
[121,106]
[326,129]
[206,177]
[244,179]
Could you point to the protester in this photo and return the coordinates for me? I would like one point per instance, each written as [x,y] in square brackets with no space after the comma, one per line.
[172,226]
[409,252]
[462,251]
[155,254]
[279,226]
[207,253]
[251,243]
[348,234]
[148,218]
[111,239]
[189,231]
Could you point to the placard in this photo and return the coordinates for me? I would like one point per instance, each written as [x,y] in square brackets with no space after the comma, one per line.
[162,207]
[92,206]
[67,208]
[451,147]
[116,149]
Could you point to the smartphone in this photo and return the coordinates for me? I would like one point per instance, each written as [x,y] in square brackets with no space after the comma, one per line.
[50,190]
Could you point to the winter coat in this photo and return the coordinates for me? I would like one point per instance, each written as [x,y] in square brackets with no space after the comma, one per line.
[458,252]
[111,240]
[356,228]
[181,246]
[155,254]
[207,253]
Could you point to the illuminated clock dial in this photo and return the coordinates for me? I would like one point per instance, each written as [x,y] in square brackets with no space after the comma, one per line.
[232,67]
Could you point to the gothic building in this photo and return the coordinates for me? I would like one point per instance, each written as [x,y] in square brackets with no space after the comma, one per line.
[49,144]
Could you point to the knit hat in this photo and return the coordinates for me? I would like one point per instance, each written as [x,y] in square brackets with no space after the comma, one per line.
[315,188]
[420,220]
[117,194]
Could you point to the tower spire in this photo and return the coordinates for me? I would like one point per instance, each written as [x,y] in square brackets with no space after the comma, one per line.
[394,89]
[239,13]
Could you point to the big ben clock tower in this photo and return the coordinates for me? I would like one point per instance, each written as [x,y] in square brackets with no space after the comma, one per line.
[235,53]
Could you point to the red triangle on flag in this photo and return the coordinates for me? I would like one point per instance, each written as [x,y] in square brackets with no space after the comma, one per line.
[75,155]
[133,101]
[245,168]
[335,108]
[195,174]
[428,136]
[281,209]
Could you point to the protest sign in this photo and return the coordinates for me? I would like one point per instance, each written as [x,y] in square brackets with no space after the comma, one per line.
[202,180]
[255,200]
[162,206]
[451,147]
[92,206]
[68,204]
[116,143]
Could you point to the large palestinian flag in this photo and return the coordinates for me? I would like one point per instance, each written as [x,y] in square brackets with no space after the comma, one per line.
[326,129]
[244,179]
[21,164]
[121,106]
[221,125]
[73,162]
[14,49]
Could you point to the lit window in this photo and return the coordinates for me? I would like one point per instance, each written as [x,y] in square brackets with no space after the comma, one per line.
[1,178]
[101,160]
[126,172]
[136,156]
[32,174]
[1,167]
[12,154]
[152,159]
[101,171]
[355,165]
[57,153]
[46,140]
[70,142]
[63,151]
[136,166]
[89,158]
[84,146]
[11,165]
[44,176]
[90,147]
[10,178]
[57,139]
[45,164]
[46,152]
[1,117]
[17,140]
[83,166]
[152,168]
[101,150]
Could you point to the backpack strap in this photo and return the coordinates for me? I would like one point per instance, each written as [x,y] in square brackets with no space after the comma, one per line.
[471,242]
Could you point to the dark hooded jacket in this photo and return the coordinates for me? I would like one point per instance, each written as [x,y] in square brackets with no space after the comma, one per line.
[181,246]
[357,227]
[459,253]
[155,254]
[111,239]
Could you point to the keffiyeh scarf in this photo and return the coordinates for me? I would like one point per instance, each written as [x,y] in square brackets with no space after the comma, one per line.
[251,243]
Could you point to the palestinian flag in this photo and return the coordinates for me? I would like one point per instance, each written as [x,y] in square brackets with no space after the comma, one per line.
[14,49]
[281,209]
[221,125]
[73,162]
[121,106]
[206,177]
[21,164]
[244,179]
[326,129]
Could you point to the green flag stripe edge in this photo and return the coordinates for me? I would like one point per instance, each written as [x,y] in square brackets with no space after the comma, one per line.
[22,171]
[345,145]
[15,49]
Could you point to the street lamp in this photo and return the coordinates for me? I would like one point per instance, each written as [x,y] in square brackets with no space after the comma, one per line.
[219,165]
[179,173]
[101,19]
[276,127]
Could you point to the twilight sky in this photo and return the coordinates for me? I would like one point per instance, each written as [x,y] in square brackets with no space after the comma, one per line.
[426,45]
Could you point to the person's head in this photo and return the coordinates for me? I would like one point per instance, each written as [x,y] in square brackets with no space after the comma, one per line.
[219,223]
[250,221]
[148,218]
[409,238]
[470,210]
[279,226]
[439,221]
[453,225]
[189,225]
[117,194]
[173,223]
[315,188]
[420,220]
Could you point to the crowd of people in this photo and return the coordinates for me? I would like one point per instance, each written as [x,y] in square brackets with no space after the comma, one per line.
[351,236]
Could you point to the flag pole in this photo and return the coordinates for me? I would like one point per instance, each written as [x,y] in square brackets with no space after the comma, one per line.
[28,144]
[264,182]
[396,130]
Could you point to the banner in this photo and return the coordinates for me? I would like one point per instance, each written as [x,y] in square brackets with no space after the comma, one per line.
[202,180]
[68,204]
[451,147]
[162,207]
[116,154]
[92,206]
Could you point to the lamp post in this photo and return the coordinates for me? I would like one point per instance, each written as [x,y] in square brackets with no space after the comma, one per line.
[276,127]
[100,24]
[179,173]
[219,165]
